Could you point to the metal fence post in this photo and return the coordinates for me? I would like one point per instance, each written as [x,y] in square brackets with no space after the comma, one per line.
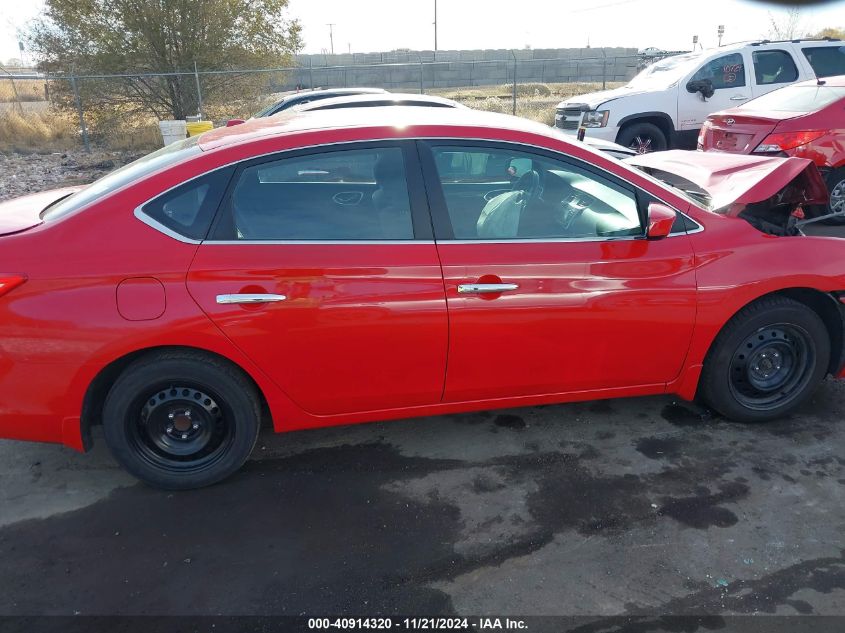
[81,115]
[604,69]
[199,91]
[514,81]
[422,90]
[311,73]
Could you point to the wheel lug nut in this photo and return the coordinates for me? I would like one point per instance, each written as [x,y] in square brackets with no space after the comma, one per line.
[195,426]
[184,436]
[171,416]
[169,428]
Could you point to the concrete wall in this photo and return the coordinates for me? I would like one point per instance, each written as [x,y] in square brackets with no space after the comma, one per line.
[408,70]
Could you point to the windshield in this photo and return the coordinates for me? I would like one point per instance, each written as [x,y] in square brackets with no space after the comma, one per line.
[796,99]
[167,155]
[665,72]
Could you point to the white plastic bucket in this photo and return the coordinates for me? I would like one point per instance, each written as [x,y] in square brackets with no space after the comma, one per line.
[172,131]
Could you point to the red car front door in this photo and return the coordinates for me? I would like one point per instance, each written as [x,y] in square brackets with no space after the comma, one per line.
[322,269]
[551,287]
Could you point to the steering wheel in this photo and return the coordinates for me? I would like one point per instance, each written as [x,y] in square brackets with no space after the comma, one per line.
[529,184]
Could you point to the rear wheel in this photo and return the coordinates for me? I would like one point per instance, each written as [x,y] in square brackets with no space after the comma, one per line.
[180,420]
[766,361]
[836,202]
[643,138]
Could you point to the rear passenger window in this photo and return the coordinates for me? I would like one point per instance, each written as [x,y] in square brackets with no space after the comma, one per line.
[189,208]
[340,195]
[826,61]
[727,71]
[774,67]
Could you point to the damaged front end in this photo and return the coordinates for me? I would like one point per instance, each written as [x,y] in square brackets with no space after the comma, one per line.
[775,195]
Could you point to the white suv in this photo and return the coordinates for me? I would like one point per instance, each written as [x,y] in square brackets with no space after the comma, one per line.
[666,104]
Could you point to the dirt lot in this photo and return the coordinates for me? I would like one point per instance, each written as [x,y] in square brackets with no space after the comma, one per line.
[27,173]
[632,507]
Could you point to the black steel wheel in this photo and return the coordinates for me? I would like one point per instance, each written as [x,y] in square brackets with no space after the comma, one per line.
[180,420]
[766,361]
[771,366]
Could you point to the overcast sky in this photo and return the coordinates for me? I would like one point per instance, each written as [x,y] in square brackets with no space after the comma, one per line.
[382,25]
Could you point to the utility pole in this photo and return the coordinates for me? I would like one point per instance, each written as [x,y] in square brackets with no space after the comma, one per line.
[720,32]
[331,35]
[435,26]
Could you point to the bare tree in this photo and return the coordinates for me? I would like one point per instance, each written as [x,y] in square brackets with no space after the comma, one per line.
[786,26]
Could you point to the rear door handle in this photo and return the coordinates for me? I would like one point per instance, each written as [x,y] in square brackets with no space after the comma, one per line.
[481,289]
[249,298]
[739,98]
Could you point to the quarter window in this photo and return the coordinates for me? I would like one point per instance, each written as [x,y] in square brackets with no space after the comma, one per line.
[189,208]
[499,194]
[774,67]
[727,71]
[341,195]
[826,61]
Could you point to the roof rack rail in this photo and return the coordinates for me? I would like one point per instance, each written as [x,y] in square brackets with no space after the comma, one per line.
[796,40]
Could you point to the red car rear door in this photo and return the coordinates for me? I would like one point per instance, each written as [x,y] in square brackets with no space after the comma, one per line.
[321,267]
[551,286]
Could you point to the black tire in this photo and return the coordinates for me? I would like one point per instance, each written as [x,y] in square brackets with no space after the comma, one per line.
[836,186]
[766,361]
[179,419]
[643,138]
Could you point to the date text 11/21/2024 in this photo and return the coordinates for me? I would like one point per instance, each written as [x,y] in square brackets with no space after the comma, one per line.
[431,624]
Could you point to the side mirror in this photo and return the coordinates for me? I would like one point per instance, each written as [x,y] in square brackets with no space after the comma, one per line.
[661,219]
[704,86]
[232,122]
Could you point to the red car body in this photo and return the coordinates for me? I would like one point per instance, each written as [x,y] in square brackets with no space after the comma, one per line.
[806,120]
[375,331]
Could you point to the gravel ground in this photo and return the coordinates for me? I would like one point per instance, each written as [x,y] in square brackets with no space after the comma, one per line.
[21,174]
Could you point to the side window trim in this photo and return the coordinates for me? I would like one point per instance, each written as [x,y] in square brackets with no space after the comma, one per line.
[420,218]
[437,201]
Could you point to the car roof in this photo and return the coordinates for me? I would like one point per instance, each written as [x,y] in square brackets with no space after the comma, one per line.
[400,119]
[304,94]
[365,99]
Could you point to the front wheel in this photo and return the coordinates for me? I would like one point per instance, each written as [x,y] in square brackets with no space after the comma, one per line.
[766,361]
[643,138]
[181,420]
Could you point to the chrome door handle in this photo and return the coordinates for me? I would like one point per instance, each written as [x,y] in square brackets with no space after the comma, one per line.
[249,298]
[485,288]
[739,98]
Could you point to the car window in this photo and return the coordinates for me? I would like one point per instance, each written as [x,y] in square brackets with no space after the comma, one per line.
[499,194]
[773,67]
[826,61]
[189,208]
[727,71]
[340,195]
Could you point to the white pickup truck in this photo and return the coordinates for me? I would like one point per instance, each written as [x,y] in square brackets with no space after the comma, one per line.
[665,104]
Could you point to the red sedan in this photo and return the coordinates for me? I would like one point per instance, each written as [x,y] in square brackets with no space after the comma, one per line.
[343,266]
[806,120]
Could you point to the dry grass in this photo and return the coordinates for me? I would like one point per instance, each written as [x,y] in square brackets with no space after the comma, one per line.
[27,90]
[534,101]
[36,132]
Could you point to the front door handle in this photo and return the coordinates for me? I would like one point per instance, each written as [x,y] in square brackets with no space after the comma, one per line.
[249,298]
[739,98]
[485,288]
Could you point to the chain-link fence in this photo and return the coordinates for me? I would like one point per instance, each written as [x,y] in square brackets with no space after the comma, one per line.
[186,90]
